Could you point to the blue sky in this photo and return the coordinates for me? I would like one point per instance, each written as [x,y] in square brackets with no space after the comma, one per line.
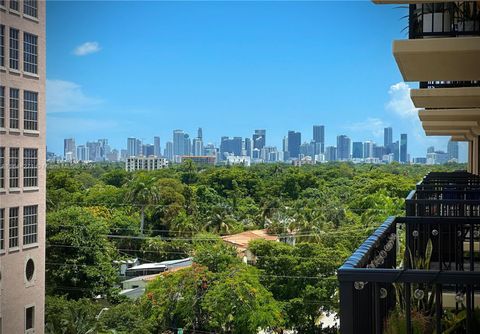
[119,68]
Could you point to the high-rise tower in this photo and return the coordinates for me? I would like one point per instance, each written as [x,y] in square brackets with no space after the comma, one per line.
[22,152]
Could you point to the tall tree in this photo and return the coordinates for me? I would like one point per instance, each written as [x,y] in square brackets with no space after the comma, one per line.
[142,191]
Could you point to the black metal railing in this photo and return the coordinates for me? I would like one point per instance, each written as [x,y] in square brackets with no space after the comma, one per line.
[438,275]
[445,19]
[448,84]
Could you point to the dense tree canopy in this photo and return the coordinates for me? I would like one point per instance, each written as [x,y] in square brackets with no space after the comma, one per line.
[100,213]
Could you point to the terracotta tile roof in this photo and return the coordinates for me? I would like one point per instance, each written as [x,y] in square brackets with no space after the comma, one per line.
[241,240]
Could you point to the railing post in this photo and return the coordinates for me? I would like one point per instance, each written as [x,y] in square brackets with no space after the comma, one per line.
[408,311]
[346,308]
[438,308]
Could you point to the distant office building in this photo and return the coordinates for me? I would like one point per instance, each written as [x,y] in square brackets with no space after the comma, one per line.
[430,149]
[197,147]
[420,160]
[307,149]
[230,146]
[211,150]
[286,154]
[133,147]
[368,149]
[319,138]
[452,150]
[357,150]
[156,147]
[82,153]
[294,142]
[200,134]
[395,149]
[178,142]
[187,144]
[343,148]
[379,152]
[94,151]
[247,144]
[201,159]
[437,158]
[123,154]
[403,148]
[330,153]
[387,137]
[169,150]
[269,154]
[148,150]
[69,147]
[145,163]
[113,156]
[259,139]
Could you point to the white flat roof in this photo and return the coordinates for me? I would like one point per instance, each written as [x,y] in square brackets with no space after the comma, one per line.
[148,266]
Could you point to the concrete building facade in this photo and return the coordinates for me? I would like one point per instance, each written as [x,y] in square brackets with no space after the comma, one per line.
[22,166]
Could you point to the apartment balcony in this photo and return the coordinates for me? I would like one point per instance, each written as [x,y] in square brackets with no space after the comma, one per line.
[443,46]
[423,266]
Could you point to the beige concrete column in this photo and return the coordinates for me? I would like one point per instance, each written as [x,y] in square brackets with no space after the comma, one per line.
[470,158]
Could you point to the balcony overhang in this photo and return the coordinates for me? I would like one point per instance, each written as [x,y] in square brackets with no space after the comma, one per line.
[458,138]
[438,59]
[450,115]
[386,2]
[461,97]
[449,126]
[467,134]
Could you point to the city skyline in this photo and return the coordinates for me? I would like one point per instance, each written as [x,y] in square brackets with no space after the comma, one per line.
[394,148]
[279,73]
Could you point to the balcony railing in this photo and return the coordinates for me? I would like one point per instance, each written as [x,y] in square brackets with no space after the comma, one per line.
[446,19]
[431,280]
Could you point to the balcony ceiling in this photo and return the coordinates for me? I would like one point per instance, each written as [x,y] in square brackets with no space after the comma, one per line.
[386,2]
[438,59]
[462,97]
[450,115]
[467,134]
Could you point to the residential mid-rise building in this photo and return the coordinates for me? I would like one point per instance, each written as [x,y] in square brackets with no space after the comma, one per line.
[22,172]
[145,163]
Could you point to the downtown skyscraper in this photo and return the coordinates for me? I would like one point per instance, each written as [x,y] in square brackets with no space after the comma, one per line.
[319,138]
[343,147]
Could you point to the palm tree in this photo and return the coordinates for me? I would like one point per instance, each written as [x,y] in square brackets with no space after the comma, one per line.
[142,192]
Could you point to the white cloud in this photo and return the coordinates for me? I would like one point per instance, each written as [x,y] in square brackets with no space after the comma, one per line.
[373,125]
[86,48]
[67,96]
[400,102]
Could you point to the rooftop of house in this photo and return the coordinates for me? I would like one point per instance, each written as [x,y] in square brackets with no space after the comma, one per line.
[241,240]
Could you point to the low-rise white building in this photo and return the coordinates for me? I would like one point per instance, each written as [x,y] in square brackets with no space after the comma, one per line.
[145,163]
